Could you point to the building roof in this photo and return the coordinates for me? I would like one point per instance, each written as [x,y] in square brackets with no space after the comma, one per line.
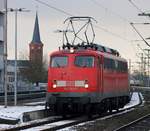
[36,34]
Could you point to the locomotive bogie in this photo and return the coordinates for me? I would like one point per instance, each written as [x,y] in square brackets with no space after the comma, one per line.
[73,103]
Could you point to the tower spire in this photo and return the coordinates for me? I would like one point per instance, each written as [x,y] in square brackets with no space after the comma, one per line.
[36,34]
[36,46]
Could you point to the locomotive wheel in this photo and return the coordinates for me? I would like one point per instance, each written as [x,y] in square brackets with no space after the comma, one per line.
[89,110]
[64,116]
[110,110]
[64,110]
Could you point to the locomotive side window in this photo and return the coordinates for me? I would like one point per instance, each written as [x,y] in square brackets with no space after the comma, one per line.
[84,61]
[59,61]
[122,66]
[109,64]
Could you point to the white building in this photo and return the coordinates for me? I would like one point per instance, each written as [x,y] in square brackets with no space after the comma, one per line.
[22,83]
[2,33]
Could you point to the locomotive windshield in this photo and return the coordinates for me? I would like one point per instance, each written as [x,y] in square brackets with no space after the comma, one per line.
[59,61]
[84,61]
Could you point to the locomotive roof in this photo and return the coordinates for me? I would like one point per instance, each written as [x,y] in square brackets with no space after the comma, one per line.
[86,52]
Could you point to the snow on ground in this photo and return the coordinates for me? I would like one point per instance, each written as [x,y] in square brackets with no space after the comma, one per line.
[35,103]
[135,100]
[16,112]
[46,126]
[3,126]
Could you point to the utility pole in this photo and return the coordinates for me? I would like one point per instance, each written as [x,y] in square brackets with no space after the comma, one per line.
[132,24]
[148,50]
[148,63]
[141,65]
[16,10]
[5,55]
[139,71]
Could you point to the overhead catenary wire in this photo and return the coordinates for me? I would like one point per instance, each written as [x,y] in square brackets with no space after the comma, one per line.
[111,11]
[55,8]
[107,31]
[135,6]
[116,14]
[68,14]
[132,24]
[142,12]
[123,18]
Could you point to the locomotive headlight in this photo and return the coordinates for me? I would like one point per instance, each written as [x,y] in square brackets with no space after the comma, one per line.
[54,85]
[71,50]
[86,85]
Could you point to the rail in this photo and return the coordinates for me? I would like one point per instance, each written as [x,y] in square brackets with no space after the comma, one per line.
[133,124]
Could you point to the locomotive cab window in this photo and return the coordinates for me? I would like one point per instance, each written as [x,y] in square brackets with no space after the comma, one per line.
[84,61]
[59,61]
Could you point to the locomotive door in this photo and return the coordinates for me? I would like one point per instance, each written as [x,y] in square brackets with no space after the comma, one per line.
[100,74]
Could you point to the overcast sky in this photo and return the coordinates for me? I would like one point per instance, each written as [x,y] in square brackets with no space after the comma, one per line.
[113,16]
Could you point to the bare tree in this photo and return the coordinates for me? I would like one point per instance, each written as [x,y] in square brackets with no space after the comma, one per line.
[36,71]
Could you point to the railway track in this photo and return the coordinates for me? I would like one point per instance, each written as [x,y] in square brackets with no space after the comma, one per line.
[73,121]
[140,124]
[57,122]
[35,123]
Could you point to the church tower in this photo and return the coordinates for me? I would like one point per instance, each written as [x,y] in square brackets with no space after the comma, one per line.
[36,46]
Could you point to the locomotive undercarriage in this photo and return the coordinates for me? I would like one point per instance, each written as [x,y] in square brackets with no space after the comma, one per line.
[76,105]
[106,105]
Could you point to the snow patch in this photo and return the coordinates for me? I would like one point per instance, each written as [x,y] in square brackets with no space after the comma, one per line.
[16,112]
[135,100]
[3,126]
[35,103]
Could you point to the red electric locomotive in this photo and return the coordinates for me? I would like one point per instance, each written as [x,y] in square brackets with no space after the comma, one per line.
[87,78]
